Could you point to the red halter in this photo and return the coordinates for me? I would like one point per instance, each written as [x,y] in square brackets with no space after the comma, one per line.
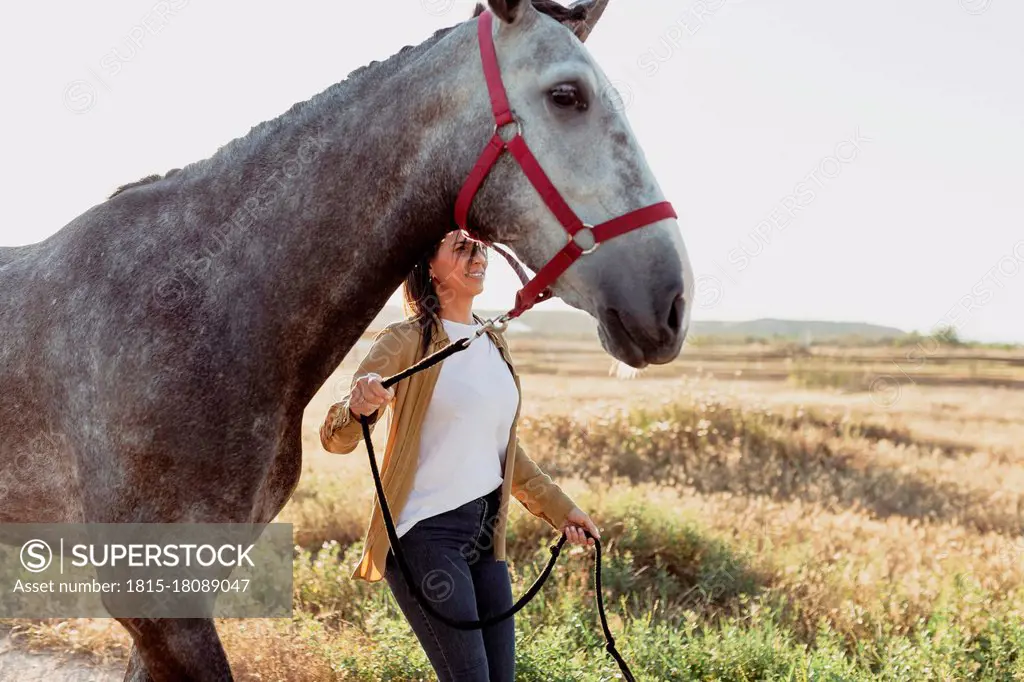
[583,238]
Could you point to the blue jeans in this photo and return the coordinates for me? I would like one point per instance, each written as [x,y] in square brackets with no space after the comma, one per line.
[451,555]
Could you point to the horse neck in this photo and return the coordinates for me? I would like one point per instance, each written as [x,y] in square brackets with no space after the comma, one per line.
[336,203]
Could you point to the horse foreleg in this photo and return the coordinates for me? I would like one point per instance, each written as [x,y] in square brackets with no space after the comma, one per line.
[175,649]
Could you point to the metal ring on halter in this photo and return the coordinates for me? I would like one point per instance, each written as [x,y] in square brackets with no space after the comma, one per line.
[498,324]
[519,128]
[588,231]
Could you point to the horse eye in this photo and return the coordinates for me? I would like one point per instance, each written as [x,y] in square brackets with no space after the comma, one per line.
[567,95]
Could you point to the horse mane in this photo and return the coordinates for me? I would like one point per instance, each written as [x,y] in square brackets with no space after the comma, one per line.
[143,181]
[551,8]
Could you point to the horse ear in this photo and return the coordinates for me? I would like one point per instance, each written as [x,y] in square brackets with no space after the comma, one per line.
[507,10]
[583,27]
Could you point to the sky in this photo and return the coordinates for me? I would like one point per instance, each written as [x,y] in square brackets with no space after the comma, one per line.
[831,161]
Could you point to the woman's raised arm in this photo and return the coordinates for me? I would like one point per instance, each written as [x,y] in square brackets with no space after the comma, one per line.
[341,430]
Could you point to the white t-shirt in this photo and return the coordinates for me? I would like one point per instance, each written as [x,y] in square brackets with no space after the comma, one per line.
[465,431]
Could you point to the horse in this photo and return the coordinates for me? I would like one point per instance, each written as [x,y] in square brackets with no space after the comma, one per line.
[158,351]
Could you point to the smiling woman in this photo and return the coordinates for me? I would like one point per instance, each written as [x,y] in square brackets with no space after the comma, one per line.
[445,281]
[452,463]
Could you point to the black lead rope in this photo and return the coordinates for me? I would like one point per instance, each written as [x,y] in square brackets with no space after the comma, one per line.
[556,549]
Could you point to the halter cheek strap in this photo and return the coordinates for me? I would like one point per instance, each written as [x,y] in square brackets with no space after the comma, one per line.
[583,238]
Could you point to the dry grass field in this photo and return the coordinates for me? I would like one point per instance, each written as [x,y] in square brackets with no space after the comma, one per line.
[769,512]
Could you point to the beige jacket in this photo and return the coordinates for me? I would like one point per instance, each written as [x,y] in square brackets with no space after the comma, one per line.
[395,348]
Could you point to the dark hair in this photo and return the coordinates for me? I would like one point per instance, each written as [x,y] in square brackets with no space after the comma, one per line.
[420,297]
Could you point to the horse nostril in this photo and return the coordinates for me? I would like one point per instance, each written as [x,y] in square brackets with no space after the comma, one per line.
[675,314]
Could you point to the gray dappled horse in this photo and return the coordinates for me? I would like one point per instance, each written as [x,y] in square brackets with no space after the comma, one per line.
[156,354]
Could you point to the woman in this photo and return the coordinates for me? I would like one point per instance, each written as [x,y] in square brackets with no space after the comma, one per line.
[451,463]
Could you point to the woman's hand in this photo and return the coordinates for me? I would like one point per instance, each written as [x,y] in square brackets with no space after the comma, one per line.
[575,522]
[368,395]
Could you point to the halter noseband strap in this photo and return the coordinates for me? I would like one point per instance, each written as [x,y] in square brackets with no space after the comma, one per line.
[583,238]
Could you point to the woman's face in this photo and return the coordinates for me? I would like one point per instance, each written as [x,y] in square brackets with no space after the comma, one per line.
[459,266]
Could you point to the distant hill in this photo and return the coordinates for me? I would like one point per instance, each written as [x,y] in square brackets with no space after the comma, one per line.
[576,324]
[795,329]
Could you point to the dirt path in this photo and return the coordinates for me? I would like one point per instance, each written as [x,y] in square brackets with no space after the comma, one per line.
[21,666]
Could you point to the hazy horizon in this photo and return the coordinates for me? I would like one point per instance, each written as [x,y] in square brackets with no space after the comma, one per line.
[395,308]
[828,163]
